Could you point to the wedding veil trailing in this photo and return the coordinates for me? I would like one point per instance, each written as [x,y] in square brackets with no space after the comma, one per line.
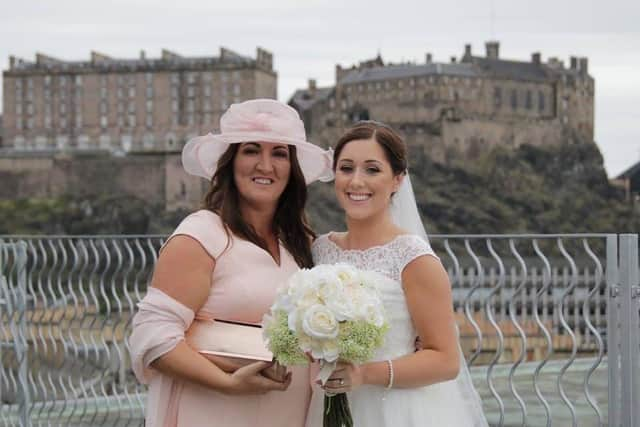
[405,214]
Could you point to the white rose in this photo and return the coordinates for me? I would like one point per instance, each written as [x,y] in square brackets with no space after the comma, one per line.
[319,322]
[347,273]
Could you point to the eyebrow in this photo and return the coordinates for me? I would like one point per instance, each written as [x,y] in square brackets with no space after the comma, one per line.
[366,161]
[257,145]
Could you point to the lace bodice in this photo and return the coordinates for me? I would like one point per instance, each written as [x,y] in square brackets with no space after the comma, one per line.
[388,260]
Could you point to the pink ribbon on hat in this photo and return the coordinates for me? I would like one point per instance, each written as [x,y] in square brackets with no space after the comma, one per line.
[283,121]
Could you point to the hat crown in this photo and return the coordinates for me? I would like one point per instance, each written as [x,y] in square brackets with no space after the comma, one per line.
[262,116]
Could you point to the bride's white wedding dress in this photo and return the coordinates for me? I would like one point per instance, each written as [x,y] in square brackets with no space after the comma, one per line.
[447,404]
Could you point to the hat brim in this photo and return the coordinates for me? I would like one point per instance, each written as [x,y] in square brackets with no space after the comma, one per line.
[200,155]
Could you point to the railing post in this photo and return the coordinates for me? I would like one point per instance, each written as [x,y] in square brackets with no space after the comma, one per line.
[20,340]
[613,330]
[629,343]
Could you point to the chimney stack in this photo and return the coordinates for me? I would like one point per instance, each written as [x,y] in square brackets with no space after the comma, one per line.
[493,49]
[467,52]
[312,87]
[429,58]
[583,65]
[535,58]
[573,63]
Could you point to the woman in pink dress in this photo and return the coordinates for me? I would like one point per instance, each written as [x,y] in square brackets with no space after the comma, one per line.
[226,262]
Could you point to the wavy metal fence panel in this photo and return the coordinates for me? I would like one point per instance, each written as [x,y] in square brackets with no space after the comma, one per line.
[536,314]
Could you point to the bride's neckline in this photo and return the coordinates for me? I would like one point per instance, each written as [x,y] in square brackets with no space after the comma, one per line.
[382,245]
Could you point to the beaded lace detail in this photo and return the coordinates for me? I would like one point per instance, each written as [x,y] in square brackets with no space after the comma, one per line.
[388,259]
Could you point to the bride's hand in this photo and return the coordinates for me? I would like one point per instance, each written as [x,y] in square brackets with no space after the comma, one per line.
[346,377]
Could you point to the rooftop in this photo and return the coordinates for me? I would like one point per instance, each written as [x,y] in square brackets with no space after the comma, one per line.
[168,60]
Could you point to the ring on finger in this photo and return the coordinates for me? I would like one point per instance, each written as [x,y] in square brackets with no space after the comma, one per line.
[341,382]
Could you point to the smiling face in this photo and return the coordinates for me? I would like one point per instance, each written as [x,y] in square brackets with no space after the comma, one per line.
[364,179]
[261,172]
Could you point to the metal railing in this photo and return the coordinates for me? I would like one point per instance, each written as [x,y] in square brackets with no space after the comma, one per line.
[549,325]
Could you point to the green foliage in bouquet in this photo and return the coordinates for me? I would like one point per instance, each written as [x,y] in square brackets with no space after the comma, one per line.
[282,342]
[358,340]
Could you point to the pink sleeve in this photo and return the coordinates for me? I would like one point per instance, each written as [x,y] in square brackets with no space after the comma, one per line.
[158,327]
[206,227]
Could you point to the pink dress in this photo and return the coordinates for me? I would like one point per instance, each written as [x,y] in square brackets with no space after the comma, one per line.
[244,283]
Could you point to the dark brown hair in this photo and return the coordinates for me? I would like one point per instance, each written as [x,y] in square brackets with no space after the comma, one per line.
[289,221]
[395,149]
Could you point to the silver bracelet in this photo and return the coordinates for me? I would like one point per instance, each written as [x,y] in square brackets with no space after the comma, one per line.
[390,364]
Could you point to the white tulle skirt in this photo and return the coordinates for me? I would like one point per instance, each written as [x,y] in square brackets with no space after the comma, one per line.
[440,405]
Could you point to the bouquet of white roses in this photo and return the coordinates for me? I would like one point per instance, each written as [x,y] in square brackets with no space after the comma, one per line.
[331,312]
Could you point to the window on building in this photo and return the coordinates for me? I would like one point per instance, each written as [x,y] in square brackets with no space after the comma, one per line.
[63,81]
[207,91]
[105,141]
[132,120]
[191,91]
[132,107]
[191,106]
[191,78]
[148,141]
[103,107]
[83,142]
[541,106]
[103,92]
[149,78]
[149,92]
[174,106]
[175,79]
[78,80]
[514,99]
[18,108]
[62,141]
[63,122]
[63,108]
[149,106]
[47,121]
[19,122]
[236,89]
[104,122]
[149,120]
[528,101]
[127,142]
[132,92]
[30,123]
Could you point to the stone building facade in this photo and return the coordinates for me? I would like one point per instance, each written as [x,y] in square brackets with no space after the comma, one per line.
[126,105]
[458,107]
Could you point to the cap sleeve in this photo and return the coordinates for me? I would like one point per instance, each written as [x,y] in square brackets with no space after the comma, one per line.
[205,227]
[412,247]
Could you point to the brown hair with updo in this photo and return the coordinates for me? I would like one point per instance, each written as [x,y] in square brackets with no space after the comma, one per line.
[394,147]
[289,222]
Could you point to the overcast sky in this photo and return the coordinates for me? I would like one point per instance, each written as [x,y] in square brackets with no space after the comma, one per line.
[308,37]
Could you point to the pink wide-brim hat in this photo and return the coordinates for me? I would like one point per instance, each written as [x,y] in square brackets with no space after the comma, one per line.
[258,120]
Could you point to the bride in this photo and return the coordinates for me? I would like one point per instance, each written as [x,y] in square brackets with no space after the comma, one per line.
[400,386]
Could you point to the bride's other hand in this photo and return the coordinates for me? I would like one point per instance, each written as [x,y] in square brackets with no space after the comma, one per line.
[345,378]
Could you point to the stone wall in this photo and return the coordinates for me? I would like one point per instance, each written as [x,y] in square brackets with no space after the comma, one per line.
[158,179]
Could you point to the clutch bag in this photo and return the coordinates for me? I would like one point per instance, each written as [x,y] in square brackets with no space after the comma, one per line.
[229,339]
